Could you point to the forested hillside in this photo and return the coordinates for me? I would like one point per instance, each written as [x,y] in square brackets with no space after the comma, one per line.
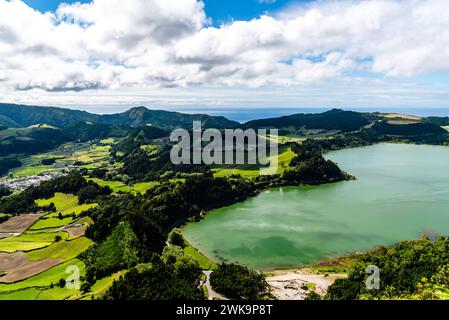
[416,269]
[331,120]
[26,116]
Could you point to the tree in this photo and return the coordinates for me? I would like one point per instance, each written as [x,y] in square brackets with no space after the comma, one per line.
[157,282]
[238,282]
[176,238]
[61,283]
[312,295]
[86,287]
[187,268]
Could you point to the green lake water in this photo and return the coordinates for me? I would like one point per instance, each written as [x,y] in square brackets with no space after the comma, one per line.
[401,192]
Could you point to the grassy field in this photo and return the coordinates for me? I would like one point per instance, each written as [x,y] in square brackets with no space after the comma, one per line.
[33,170]
[101,286]
[62,201]
[205,262]
[284,158]
[226,172]
[32,165]
[15,246]
[143,187]
[65,250]
[39,241]
[93,156]
[36,237]
[39,287]
[85,220]
[118,186]
[77,210]
[46,231]
[26,294]
[288,138]
[56,293]
[205,290]
[45,279]
[50,223]
[108,141]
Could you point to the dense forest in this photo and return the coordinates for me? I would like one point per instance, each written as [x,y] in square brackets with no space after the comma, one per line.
[369,136]
[413,129]
[158,280]
[335,119]
[238,282]
[409,270]
[151,217]
[7,164]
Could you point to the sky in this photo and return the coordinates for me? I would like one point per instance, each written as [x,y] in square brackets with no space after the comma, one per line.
[106,55]
[219,10]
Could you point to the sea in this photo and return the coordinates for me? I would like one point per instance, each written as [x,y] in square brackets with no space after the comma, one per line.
[246,114]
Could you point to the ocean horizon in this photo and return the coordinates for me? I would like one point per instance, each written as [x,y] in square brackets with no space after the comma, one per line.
[244,114]
[248,114]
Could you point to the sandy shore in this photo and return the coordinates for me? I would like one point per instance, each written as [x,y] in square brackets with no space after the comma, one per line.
[296,284]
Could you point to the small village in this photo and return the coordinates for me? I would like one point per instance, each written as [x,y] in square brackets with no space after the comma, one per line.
[23,183]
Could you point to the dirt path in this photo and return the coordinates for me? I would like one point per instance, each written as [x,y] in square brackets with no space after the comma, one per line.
[212,294]
[295,285]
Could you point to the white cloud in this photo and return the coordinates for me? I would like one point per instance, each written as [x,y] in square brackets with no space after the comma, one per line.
[266,1]
[148,44]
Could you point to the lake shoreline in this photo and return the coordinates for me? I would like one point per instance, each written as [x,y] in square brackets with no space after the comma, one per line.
[349,251]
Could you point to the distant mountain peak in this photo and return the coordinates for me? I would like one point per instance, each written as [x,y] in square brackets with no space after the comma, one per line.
[12,115]
[138,109]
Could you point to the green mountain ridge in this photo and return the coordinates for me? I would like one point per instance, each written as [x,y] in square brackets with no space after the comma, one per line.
[26,116]
[141,116]
[24,132]
[12,115]
[335,119]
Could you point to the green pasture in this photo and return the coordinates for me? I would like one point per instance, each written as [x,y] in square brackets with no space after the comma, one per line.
[65,250]
[44,279]
[250,171]
[61,201]
[205,262]
[50,223]
[77,210]
[15,246]
[118,186]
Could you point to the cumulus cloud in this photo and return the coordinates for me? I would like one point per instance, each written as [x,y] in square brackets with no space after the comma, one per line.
[144,44]
[266,1]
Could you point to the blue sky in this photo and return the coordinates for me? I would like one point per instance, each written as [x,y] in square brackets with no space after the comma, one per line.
[219,10]
[165,54]
[47,5]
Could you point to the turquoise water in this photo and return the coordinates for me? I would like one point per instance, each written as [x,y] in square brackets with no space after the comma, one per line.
[401,192]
